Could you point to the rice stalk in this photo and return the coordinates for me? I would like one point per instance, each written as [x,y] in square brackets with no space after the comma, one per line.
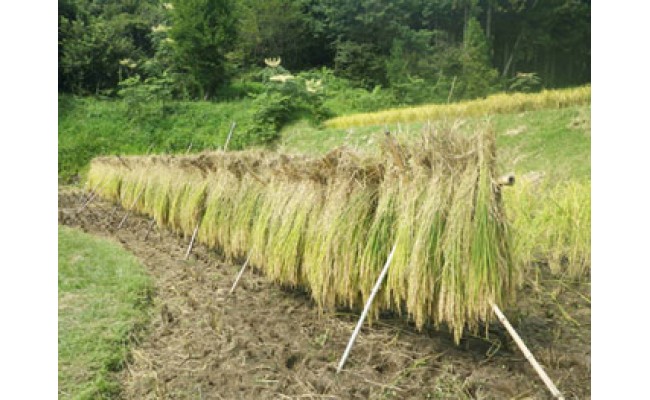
[328,223]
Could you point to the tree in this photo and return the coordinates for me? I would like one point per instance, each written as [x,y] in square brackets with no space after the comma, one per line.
[277,28]
[203,32]
[94,36]
[478,77]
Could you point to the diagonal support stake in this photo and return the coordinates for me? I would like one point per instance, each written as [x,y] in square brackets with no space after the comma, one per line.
[365,310]
[529,356]
[90,199]
[241,272]
[232,129]
[130,208]
[153,220]
[189,248]
[91,196]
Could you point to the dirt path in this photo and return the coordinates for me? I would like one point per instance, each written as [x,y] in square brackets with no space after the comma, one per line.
[266,342]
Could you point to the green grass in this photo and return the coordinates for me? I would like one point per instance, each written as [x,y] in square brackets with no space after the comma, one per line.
[555,141]
[103,295]
[89,127]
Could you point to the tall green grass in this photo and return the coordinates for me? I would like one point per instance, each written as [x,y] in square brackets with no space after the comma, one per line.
[552,224]
[90,127]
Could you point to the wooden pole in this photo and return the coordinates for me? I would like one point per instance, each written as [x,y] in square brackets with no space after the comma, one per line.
[130,208]
[149,228]
[529,356]
[241,272]
[365,310]
[451,91]
[506,180]
[110,217]
[123,162]
[232,129]
[93,193]
[189,248]
[92,197]
[85,194]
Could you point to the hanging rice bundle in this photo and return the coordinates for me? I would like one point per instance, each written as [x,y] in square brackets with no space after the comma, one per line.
[328,223]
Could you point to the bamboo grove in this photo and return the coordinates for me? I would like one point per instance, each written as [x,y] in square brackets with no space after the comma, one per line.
[328,223]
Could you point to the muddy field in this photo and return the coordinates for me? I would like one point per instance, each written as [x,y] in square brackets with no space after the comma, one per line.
[269,342]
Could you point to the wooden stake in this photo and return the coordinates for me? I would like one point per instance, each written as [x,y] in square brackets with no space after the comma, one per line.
[123,162]
[189,248]
[82,197]
[93,193]
[451,91]
[232,129]
[529,356]
[506,180]
[92,197]
[149,228]
[110,217]
[241,272]
[130,208]
[365,310]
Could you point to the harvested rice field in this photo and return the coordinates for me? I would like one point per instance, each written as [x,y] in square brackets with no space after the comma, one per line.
[266,341]
[317,231]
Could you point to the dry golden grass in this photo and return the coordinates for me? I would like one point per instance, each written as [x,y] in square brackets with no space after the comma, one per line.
[496,104]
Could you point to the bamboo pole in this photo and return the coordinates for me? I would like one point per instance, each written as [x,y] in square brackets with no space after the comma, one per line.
[110,217]
[130,208]
[90,199]
[123,162]
[506,180]
[189,248]
[149,228]
[241,272]
[529,356]
[85,193]
[92,194]
[365,310]
[232,129]
[451,91]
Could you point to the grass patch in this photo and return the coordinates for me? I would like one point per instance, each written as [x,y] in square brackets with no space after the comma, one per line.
[555,142]
[103,296]
[89,127]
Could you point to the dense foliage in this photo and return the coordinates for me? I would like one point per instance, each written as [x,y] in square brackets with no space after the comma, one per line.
[423,50]
[267,63]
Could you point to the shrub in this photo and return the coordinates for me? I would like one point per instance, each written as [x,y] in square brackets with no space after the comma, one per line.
[285,98]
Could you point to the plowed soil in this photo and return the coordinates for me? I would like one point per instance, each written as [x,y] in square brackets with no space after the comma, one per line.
[269,342]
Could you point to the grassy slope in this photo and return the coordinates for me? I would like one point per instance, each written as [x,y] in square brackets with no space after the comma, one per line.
[89,127]
[555,141]
[103,292]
